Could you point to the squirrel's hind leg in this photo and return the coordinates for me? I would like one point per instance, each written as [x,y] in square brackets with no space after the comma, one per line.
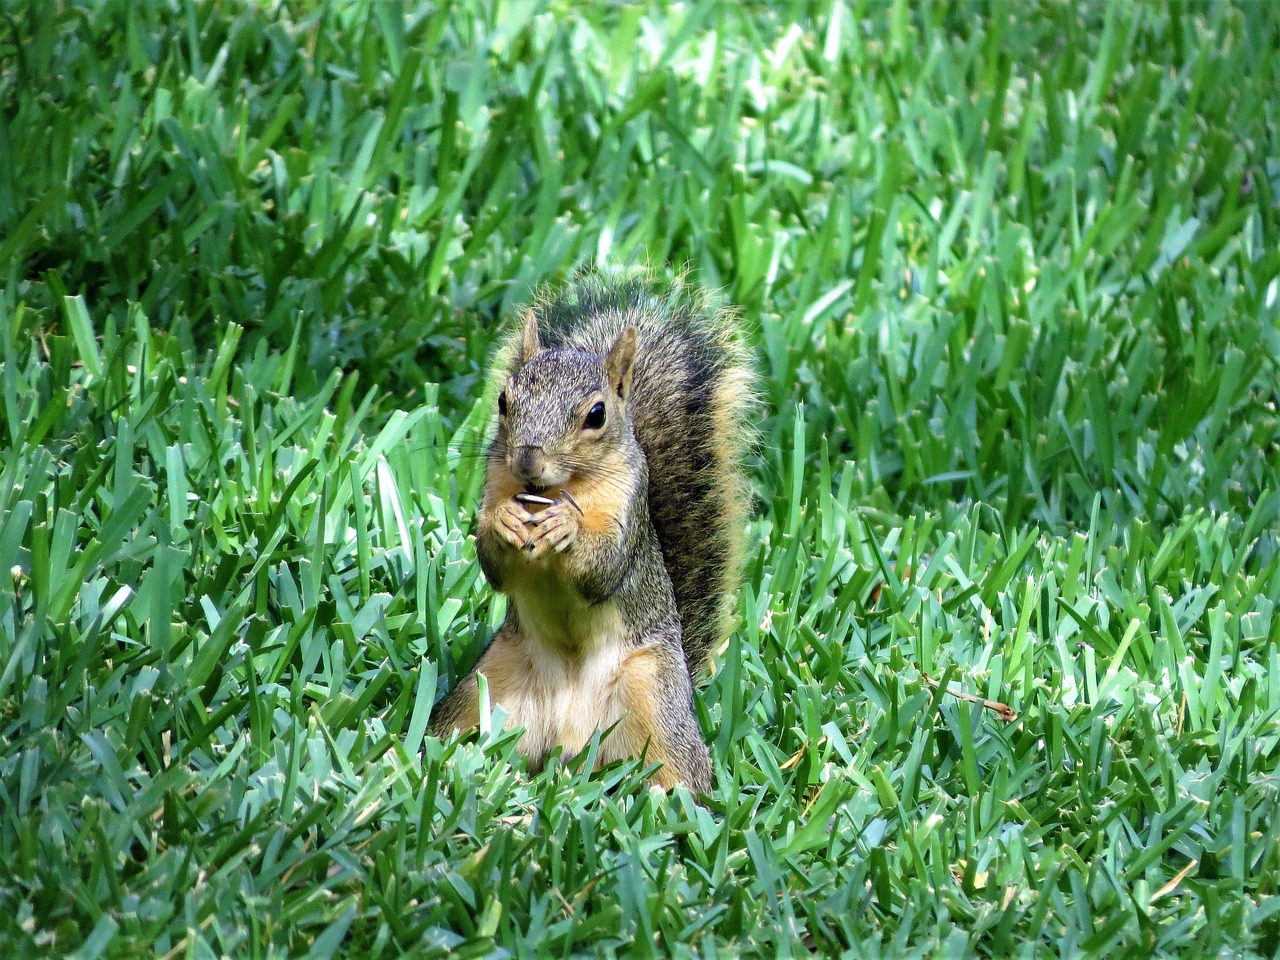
[658,722]
[503,663]
[459,710]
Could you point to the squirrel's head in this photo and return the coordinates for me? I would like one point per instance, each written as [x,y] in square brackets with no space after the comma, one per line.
[562,410]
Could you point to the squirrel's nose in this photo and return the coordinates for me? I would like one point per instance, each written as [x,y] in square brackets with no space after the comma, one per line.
[529,464]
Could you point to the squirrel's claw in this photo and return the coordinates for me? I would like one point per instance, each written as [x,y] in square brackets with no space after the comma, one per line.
[512,522]
[554,529]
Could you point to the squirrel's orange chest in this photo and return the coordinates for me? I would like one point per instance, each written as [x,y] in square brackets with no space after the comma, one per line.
[561,702]
[551,612]
[558,674]
[559,698]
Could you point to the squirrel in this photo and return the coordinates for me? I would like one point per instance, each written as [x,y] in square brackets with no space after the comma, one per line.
[613,519]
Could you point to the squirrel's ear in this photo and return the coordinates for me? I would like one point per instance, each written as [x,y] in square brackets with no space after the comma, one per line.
[529,344]
[620,362]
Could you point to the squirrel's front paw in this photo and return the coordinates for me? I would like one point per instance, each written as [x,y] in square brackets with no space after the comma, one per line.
[555,528]
[513,523]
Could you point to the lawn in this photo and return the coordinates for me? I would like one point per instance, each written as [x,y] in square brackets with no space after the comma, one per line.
[1006,678]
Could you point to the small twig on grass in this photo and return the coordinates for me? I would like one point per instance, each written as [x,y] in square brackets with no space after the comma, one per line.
[1172,885]
[1005,712]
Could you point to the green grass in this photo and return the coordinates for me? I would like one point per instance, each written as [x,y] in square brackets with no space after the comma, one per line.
[1011,271]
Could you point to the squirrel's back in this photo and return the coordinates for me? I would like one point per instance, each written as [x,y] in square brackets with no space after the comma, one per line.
[692,391]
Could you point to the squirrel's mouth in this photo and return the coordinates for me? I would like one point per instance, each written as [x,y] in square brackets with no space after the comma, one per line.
[535,489]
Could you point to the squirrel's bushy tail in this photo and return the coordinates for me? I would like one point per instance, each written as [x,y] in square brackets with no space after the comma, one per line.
[692,394]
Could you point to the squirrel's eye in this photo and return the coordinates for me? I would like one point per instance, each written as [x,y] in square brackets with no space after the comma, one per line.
[502,404]
[595,417]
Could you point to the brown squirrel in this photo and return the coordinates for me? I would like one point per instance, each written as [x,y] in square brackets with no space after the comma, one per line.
[613,518]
